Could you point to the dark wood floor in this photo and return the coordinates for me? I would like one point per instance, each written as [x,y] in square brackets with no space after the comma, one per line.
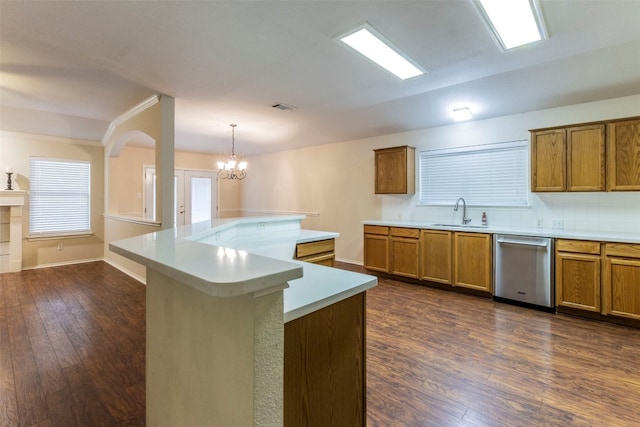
[72,354]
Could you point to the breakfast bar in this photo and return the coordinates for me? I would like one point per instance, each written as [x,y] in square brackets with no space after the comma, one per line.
[239,333]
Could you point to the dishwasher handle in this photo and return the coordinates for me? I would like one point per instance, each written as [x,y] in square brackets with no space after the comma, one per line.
[522,242]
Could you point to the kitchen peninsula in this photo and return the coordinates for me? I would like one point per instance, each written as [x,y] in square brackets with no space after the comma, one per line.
[240,334]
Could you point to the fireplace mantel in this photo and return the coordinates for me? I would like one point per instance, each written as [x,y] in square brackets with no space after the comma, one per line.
[11,203]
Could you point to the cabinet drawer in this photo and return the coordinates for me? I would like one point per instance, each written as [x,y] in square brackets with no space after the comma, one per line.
[627,250]
[578,246]
[405,232]
[313,248]
[376,229]
[322,259]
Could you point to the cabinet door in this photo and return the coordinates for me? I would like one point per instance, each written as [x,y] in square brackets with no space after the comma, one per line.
[436,256]
[578,281]
[586,158]
[472,261]
[376,252]
[405,256]
[623,156]
[621,287]
[548,157]
[395,170]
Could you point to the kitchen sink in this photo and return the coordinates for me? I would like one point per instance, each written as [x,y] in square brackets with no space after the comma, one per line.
[460,226]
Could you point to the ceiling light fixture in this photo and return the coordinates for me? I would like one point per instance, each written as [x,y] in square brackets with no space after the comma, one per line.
[461,114]
[513,23]
[232,168]
[374,46]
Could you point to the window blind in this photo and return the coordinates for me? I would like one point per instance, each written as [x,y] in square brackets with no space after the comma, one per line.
[485,175]
[60,196]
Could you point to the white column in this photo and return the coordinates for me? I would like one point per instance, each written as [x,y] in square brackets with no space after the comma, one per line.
[212,361]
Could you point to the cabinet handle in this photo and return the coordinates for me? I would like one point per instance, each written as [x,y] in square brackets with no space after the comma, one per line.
[512,242]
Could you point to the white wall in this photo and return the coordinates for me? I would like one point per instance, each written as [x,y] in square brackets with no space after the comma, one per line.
[602,211]
[336,181]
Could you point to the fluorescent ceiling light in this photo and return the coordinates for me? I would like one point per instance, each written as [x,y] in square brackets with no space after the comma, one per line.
[461,114]
[372,45]
[513,22]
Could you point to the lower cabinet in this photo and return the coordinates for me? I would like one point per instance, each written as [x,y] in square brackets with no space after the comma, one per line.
[472,261]
[404,251]
[325,366]
[319,252]
[436,256]
[454,258]
[376,248]
[621,283]
[578,274]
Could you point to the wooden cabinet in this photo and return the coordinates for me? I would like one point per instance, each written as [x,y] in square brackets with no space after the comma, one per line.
[621,283]
[436,256]
[548,160]
[319,252]
[395,170]
[571,158]
[325,366]
[623,156]
[472,264]
[595,156]
[586,158]
[578,266]
[376,248]
[405,252]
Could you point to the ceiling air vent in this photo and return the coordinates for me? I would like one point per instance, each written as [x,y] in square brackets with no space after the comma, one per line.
[283,107]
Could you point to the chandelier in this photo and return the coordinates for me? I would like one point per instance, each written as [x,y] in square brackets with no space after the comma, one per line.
[232,168]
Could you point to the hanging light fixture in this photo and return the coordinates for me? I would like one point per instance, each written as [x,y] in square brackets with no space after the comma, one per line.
[232,168]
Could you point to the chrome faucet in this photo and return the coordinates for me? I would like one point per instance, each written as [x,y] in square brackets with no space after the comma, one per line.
[465,220]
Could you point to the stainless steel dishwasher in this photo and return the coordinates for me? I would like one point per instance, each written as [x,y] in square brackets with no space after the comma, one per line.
[523,270]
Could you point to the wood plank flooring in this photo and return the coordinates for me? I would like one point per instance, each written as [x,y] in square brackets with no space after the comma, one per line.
[72,354]
[438,358]
[71,347]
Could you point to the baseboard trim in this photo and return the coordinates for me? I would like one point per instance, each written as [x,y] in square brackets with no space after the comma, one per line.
[60,264]
[126,271]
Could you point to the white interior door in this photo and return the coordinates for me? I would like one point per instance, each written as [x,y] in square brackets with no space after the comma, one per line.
[195,195]
[201,196]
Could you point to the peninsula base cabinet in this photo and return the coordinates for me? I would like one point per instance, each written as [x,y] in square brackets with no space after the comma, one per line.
[320,252]
[578,274]
[621,284]
[325,366]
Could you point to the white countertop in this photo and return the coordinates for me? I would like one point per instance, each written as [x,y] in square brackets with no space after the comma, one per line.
[236,256]
[601,236]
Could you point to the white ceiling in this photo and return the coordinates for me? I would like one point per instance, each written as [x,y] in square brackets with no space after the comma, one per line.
[70,68]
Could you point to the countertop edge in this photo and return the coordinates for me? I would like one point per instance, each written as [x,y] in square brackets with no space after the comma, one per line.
[602,236]
[332,299]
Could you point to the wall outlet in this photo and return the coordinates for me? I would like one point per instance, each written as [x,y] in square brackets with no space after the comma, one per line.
[60,246]
[539,223]
[558,224]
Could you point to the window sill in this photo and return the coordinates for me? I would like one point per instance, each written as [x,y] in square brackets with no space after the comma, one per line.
[58,236]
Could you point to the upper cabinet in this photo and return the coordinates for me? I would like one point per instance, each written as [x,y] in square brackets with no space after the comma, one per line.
[623,157]
[548,159]
[585,158]
[588,157]
[395,170]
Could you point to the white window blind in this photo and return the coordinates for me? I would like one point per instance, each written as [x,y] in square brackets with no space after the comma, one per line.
[60,196]
[485,175]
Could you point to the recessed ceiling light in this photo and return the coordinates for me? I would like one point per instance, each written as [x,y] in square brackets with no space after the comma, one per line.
[513,23]
[374,46]
[461,114]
